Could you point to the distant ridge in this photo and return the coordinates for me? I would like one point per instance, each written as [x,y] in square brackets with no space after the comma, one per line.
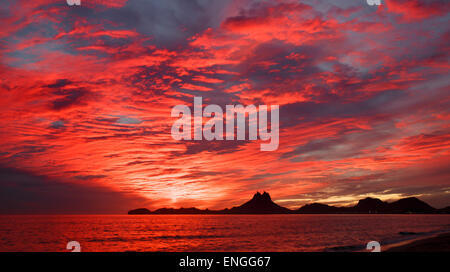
[375,205]
[371,205]
[411,204]
[317,208]
[445,210]
[263,204]
[140,211]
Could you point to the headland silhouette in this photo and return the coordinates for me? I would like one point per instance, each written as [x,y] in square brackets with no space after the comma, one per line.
[263,204]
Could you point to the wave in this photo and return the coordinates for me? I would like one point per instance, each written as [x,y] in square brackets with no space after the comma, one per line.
[152,238]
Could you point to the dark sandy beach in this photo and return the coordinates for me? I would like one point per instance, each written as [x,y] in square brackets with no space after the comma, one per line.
[440,243]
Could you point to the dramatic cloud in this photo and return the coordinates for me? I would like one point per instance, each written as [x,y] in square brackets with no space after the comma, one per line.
[87,94]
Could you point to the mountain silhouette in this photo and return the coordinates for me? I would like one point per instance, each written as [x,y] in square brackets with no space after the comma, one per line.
[371,205]
[445,210]
[316,208]
[263,204]
[375,205]
[410,205]
[140,211]
[259,204]
[179,211]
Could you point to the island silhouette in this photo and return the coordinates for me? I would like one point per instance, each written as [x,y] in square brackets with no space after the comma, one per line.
[263,204]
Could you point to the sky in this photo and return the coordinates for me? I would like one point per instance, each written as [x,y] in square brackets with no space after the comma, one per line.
[87,93]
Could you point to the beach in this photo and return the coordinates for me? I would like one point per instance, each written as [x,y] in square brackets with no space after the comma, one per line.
[438,243]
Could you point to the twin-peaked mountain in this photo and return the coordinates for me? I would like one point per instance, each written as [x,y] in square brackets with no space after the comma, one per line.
[263,204]
[259,204]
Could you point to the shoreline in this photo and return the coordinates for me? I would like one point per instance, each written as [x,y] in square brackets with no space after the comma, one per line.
[431,243]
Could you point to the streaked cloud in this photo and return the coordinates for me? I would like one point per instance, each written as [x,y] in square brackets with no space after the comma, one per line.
[363,94]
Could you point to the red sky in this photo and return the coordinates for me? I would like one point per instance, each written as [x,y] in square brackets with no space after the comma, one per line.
[87,94]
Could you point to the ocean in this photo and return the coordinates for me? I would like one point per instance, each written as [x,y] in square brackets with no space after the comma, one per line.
[293,232]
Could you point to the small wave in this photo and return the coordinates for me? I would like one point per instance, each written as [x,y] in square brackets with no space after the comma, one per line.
[411,233]
[186,237]
[112,239]
[151,238]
